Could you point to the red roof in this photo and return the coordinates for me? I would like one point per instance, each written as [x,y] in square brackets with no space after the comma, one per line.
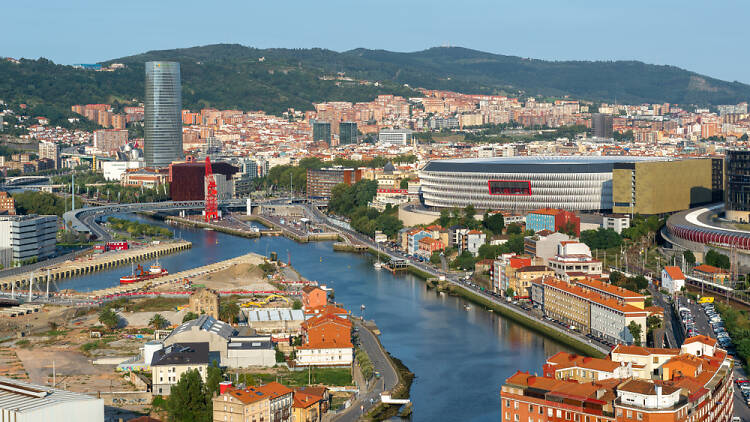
[675,273]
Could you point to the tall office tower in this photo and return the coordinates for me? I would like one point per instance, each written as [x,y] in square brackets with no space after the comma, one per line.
[347,133]
[601,125]
[737,179]
[321,131]
[162,114]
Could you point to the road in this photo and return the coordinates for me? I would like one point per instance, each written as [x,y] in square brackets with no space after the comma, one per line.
[388,376]
[321,218]
[672,326]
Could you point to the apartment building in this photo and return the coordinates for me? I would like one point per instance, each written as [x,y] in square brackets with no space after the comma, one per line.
[28,236]
[395,136]
[7,204]
[524,276]
[321,182]
[109,141]
[543,244]
[573,259]
[246,404]
[583,369]
[691,384]
[672,279]
[50,151]
[614,292]
[168,364]
[590,312]
[327,342]
[503,270]
[554,220]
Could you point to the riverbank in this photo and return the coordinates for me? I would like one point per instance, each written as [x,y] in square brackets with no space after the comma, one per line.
[507,312]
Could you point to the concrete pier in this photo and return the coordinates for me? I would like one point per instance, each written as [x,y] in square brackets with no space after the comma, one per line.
[93,263]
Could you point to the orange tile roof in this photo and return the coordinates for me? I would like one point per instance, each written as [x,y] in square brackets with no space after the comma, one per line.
[327,310]
[709,269]
[548,211]
[591,296]
[610,289]
[675,273]
[643,351]
[303,400]
[275,390]
[701,339]
[563,360]
[248,395]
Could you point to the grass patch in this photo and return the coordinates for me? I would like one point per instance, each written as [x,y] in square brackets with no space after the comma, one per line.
[327,376]
[23,343]
[96,344]
[148,305]
[55,333]
[419,273]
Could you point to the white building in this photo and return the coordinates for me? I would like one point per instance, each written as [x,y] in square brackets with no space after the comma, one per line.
[113,170]
[610,320]
[574,257]
[395,136]
[24,402]
[323,355]
[29,236]
[616,222]
[475,239]
[672,279]
[168,364]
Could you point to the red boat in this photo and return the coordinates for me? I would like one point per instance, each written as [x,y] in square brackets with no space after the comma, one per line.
[140,274]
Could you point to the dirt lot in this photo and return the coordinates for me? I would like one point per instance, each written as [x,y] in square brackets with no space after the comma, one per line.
[243,276]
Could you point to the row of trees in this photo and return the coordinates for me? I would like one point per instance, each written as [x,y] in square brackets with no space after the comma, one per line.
[352,201]
[601,238]
[137,229]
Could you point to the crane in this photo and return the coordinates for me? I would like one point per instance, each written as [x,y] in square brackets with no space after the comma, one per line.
[212,212]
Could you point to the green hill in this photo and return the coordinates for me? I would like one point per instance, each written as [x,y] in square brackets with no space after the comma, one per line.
[234,76]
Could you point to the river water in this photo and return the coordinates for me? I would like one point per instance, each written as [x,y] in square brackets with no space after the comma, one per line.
[460,357]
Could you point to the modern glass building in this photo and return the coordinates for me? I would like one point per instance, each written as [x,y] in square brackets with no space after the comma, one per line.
[347,133]
[163,114]
[737,175]
[321,131]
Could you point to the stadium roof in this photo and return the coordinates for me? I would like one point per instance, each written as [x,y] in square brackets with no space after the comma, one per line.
[535,164]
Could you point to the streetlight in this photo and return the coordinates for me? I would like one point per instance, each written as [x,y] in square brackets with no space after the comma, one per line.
[362,308]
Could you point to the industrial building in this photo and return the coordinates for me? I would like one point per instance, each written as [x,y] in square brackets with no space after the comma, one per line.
[24,402]
[188,180]
[644,185]
[321,182]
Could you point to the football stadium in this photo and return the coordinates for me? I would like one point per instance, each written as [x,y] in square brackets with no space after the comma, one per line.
[644,185]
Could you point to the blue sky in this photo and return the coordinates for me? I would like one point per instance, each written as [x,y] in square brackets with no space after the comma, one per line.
[705,37]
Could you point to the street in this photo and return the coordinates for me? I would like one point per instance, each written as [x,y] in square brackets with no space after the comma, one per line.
[369,398]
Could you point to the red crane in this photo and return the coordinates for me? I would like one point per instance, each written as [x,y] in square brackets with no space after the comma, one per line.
[212,202]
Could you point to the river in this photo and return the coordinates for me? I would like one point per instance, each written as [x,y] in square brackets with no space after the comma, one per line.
[460,357]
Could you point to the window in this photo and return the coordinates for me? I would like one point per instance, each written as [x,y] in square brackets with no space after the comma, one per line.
[640,416]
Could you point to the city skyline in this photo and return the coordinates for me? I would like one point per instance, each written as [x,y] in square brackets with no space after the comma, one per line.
[670,34]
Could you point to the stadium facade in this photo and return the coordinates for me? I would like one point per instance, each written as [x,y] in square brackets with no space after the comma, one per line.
[570,183]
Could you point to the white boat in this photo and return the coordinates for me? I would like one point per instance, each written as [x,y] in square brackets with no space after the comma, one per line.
[377,264]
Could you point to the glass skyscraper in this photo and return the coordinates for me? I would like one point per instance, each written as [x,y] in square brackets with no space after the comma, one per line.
[162,114]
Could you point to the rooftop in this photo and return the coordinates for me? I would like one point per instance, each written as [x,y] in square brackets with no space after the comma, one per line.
[181,354]
[208,324]
[21,397]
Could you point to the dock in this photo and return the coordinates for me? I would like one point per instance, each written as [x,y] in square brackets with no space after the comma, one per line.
[170,278]
[396,265]
[93,263]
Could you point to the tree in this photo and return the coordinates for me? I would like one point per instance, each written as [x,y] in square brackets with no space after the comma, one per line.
[445,218]
[189,317]
[513,228]
[158,322]
[228,312]
[469,212]
[109,318]
[189,399]
[494,223]
[689,257]
[435,258]
[404,184]
[653,322]
[717,259]
[509,292]
[635,331]
[297,304]
[465,261]
[214,375]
